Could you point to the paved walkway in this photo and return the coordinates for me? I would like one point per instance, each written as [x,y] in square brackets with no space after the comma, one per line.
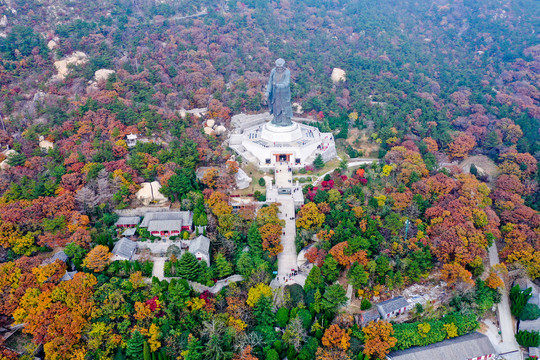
[287,259]
[159,267]
[160,246]
[506,324]
[352,163]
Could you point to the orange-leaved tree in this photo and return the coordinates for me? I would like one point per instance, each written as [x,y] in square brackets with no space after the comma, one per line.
[98,258]
[335,336]
[378,338]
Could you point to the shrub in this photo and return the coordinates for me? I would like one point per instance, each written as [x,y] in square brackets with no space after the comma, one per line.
[272,355]
[518,300]
[262,182]
[528,338]
[282,317]
[365,304]
[530,312]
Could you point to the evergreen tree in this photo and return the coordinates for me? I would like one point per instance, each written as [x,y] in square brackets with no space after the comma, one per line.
[146,352]
[330,269]
[316,306]
[263,312]
[134,350]
[224,267]
[357,276]
[319,162]
[492,140]
[474,170]
[334,297]
[245,264]
[398,279]
[188,267]
[314,279]
[194,349]
[119,355]
[254,241]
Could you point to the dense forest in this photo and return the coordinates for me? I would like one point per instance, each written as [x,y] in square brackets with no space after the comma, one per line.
[429,85]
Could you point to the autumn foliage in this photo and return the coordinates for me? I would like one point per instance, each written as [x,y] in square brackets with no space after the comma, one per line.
[378,338]
[98,258]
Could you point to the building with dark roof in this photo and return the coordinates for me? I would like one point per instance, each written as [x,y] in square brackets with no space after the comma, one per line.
[366,316]
[124,249]
[69,275]
[200,247]
[393,307]
[129,232]
[168,223]
[59,256]
[473,346]
[127,221]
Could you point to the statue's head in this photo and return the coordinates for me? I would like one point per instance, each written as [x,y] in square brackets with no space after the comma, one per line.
[280,64]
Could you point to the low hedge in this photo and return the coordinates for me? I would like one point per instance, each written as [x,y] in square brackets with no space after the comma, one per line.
[430,332]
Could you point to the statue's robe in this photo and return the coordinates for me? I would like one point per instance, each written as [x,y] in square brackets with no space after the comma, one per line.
[279,97]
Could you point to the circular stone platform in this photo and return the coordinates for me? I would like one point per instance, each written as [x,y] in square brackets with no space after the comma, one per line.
[281,134]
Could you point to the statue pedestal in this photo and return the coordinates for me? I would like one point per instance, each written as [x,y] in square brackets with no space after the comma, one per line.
[281,134]
[266,145]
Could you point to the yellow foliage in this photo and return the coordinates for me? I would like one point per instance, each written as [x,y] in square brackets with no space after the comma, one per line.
[98,258]
[195,303]
[141,311]
[121,143]
[451,330]
[136,279]
[423,329]
[237,324]
[310,217]
[255,293]
[386,170]
[358,211]
[381,200]
[24,245]
[154,335]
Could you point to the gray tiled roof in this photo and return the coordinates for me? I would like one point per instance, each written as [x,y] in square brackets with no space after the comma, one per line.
[529,325]
[459,348]
[185,216]
[393,304]
[201,244]
[127,220]
[165,225]
[68,275]
[59,256]
[129,231]
[124,248]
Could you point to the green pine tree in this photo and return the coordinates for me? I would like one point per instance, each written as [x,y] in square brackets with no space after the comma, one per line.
[146,352]
[119,355]
[188,267]
[224,267]
[134,350]
[195,349]
[318,162]
[254,241]
[316,306]
[314,279]
[330,269]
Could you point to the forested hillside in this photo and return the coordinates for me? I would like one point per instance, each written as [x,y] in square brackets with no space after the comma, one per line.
[428,85]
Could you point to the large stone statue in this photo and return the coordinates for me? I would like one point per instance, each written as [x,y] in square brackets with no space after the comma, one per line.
[278,94]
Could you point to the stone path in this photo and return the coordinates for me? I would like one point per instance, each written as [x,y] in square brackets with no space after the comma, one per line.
[506,324]
[287,259]
[159,267]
